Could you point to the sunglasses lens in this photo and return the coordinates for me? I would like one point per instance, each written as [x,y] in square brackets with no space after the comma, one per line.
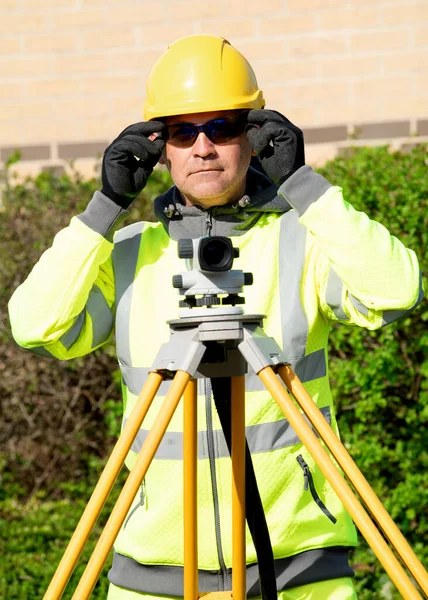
[219,131]
[182,135]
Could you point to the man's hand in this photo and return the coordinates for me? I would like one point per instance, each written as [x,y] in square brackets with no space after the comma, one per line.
[129,161]
[277,142]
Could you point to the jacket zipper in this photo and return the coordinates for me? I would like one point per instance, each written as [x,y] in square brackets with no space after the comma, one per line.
[308,481]
[211,455]
[208,222]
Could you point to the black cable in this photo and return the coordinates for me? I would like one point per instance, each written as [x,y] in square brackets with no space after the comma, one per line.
[222,390]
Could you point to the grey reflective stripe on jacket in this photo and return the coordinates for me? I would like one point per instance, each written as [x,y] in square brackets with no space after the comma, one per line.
[295,329]
[262,437]
[334,298]
[166,580]
[101,319]
[125,258]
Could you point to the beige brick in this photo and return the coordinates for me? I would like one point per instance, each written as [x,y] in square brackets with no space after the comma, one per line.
[27,131]
[81,108]
[349,18]
[16,111]
[383,87]
[338,111]
[138,60]
[190,10]
[132,105]
[237,8]
[36,4]
[88,63]
[283,71]
[66,42]
[302,116]
[136,14]
[96,129]
[407,12]
[78,18]
[108,38]
[9,45]
[100,2]
[165,33]
[52,87]
[317,93]
[420,36]
[285,25]
[314,46]
[114,84]
[380,40]
[10,133]
[421,85]
[400,107]
[8,4]
[310,5]
[261,49]
[232,30]
[409,61]
[23,22]
[11,90]
[349,67]
[24,66]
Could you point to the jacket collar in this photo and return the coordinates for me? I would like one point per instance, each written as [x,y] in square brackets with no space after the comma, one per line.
[232,219]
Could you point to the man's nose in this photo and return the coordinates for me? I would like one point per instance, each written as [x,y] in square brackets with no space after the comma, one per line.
[203,146]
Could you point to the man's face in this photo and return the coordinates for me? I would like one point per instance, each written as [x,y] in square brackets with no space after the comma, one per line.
[207,173]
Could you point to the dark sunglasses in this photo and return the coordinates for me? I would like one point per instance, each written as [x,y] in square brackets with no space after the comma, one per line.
[219,131]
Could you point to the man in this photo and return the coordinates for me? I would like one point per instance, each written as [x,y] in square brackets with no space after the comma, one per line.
[315,260]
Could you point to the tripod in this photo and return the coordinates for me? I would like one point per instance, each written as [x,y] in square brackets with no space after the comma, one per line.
[242,342]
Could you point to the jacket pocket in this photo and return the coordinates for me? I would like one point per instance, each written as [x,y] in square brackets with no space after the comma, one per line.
[309,483]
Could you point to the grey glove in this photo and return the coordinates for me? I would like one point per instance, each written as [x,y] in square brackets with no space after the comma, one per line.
[277,142]
[129,161]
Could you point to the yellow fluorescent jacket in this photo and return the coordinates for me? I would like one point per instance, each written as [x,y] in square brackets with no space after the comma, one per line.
[329,264]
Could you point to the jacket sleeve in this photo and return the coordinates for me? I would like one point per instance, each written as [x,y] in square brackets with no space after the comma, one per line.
[365,276]
[65,307]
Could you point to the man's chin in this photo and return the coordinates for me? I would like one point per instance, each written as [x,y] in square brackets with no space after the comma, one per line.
[206,197]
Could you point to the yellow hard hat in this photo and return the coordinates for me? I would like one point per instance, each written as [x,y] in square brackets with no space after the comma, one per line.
[200,73]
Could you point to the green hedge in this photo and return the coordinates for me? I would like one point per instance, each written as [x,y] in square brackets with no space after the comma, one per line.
[61,418]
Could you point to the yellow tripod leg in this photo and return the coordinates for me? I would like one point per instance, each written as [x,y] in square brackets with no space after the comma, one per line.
[132,484]
[340,486]
[238,489]
[102,489]
[355,476]
[190,454]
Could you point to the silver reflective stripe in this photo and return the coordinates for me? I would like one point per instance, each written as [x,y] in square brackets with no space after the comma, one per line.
[263,437]
[125,257]
[41,351]
[333,295]
[294,323]
[362,308]
[389,316]
[101,316]
[310,367]
[168,580]
[73,333]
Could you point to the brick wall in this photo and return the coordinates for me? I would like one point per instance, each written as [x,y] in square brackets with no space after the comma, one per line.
[73,72]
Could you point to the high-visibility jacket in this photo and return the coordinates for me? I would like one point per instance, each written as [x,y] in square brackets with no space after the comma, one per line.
[315,260]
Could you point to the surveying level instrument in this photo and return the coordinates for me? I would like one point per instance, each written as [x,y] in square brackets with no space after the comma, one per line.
[214,338]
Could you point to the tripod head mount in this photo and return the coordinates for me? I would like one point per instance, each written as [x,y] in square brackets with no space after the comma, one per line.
[210,281]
